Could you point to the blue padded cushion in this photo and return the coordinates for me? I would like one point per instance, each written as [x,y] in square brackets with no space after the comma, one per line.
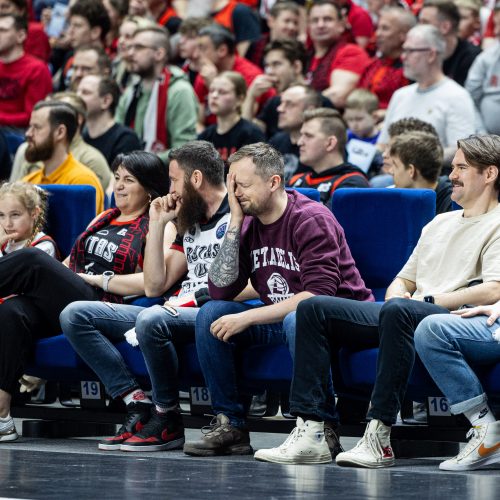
[71,208]
[267,364]
[311,193]
[382,227]
[359,371]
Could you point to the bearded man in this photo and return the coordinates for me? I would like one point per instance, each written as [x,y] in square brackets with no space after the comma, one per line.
[53,125]
[198,206]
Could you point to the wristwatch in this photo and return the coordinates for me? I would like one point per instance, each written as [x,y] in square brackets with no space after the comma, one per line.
[429,299]
[107,276]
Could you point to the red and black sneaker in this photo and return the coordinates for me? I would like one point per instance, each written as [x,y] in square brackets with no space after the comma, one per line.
[164,431]
[138,415]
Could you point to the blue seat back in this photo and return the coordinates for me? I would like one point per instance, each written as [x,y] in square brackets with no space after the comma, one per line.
[71,208]
[382,227]
[311,193]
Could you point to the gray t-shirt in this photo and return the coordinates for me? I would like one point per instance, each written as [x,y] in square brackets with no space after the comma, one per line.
[446,105]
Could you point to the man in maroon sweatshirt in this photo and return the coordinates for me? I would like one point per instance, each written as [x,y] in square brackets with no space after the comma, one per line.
[290,248]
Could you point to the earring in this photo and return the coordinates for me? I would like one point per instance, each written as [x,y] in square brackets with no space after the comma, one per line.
[150,199]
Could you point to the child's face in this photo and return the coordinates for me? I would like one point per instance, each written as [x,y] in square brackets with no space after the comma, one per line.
[15,219]
[360,122]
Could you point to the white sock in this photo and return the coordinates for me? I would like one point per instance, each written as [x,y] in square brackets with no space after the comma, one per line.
[136,396]
[480,415]
[6,423]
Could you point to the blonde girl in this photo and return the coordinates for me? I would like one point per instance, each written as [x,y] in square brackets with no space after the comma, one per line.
[22,216]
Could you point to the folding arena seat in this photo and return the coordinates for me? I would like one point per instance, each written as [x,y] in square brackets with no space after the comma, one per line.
[71,208]
[382,227]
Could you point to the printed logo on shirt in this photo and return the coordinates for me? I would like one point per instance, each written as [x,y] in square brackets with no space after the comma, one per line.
[188,239]
[263,257]
[200,270]
[9,89]
[324,187]
[279,288]
[122,232]
[221,230]
[201,252]
[101,247]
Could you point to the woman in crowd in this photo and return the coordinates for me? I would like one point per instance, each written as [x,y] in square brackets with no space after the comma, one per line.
[104,264]
[225,98]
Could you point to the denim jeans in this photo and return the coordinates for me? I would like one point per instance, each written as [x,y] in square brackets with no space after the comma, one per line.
[325,324]
[218,358]
[449,346]
[93,327]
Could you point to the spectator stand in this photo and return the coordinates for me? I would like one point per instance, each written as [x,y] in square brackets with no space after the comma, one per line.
[382,227]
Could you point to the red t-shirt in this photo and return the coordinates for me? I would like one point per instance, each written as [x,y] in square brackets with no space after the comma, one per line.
[37,42]
[22,84]
[359,20]
[383,77]
[247,70]
[349,57]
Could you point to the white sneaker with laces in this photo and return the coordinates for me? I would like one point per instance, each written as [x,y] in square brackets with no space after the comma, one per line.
[482,449]
[7,429]
[373,450]
[306,444]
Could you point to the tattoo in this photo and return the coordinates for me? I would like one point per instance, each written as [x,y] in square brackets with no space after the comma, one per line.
[225,267]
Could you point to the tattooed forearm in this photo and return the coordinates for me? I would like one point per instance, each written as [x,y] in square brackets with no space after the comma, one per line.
[225,267]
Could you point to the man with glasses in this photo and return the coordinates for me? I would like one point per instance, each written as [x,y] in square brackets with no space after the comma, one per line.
[434,98]
[161,107]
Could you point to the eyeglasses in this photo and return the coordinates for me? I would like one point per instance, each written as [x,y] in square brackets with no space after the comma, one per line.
[409,50]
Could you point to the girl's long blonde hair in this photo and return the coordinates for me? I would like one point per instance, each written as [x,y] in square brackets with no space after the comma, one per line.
[31,197]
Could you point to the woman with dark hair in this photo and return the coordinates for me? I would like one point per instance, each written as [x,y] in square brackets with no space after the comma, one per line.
[104,264]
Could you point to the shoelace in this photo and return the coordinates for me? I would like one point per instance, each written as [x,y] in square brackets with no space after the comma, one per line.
[213,427]
[371,443]
[292,438]
[472,436]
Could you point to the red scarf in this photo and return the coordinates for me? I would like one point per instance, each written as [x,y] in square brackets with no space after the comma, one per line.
[319,77]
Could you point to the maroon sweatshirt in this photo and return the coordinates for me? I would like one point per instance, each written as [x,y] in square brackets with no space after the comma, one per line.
[304,250]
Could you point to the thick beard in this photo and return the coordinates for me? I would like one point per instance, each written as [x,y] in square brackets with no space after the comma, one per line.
[40,152]
[193,209]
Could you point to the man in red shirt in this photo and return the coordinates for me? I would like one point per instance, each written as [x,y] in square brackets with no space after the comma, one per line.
[358,20]
[37,42]
[385,73]
[217,53]
[24,79]
[335,66]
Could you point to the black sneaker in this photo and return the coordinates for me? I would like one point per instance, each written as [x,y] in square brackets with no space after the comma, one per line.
[137,416]
[162,432]
[333,441]
[220,438]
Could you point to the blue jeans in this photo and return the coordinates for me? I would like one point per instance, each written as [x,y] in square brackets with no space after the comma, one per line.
[217,358]
[93,327]
[448,346]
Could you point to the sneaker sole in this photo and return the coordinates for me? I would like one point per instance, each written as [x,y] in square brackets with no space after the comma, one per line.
[231,450]
[171,445]
[367,465]
[109,447]
[471,466]
[324,459]
[9,437]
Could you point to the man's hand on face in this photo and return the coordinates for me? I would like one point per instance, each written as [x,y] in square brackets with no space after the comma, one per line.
[164,209]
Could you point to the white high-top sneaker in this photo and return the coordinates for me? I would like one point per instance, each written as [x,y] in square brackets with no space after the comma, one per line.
[482,449]
[306,444]
[373,449]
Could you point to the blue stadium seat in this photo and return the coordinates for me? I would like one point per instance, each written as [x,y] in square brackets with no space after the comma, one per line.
[13,140]
[382,227]
[311,193]
[71,208]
